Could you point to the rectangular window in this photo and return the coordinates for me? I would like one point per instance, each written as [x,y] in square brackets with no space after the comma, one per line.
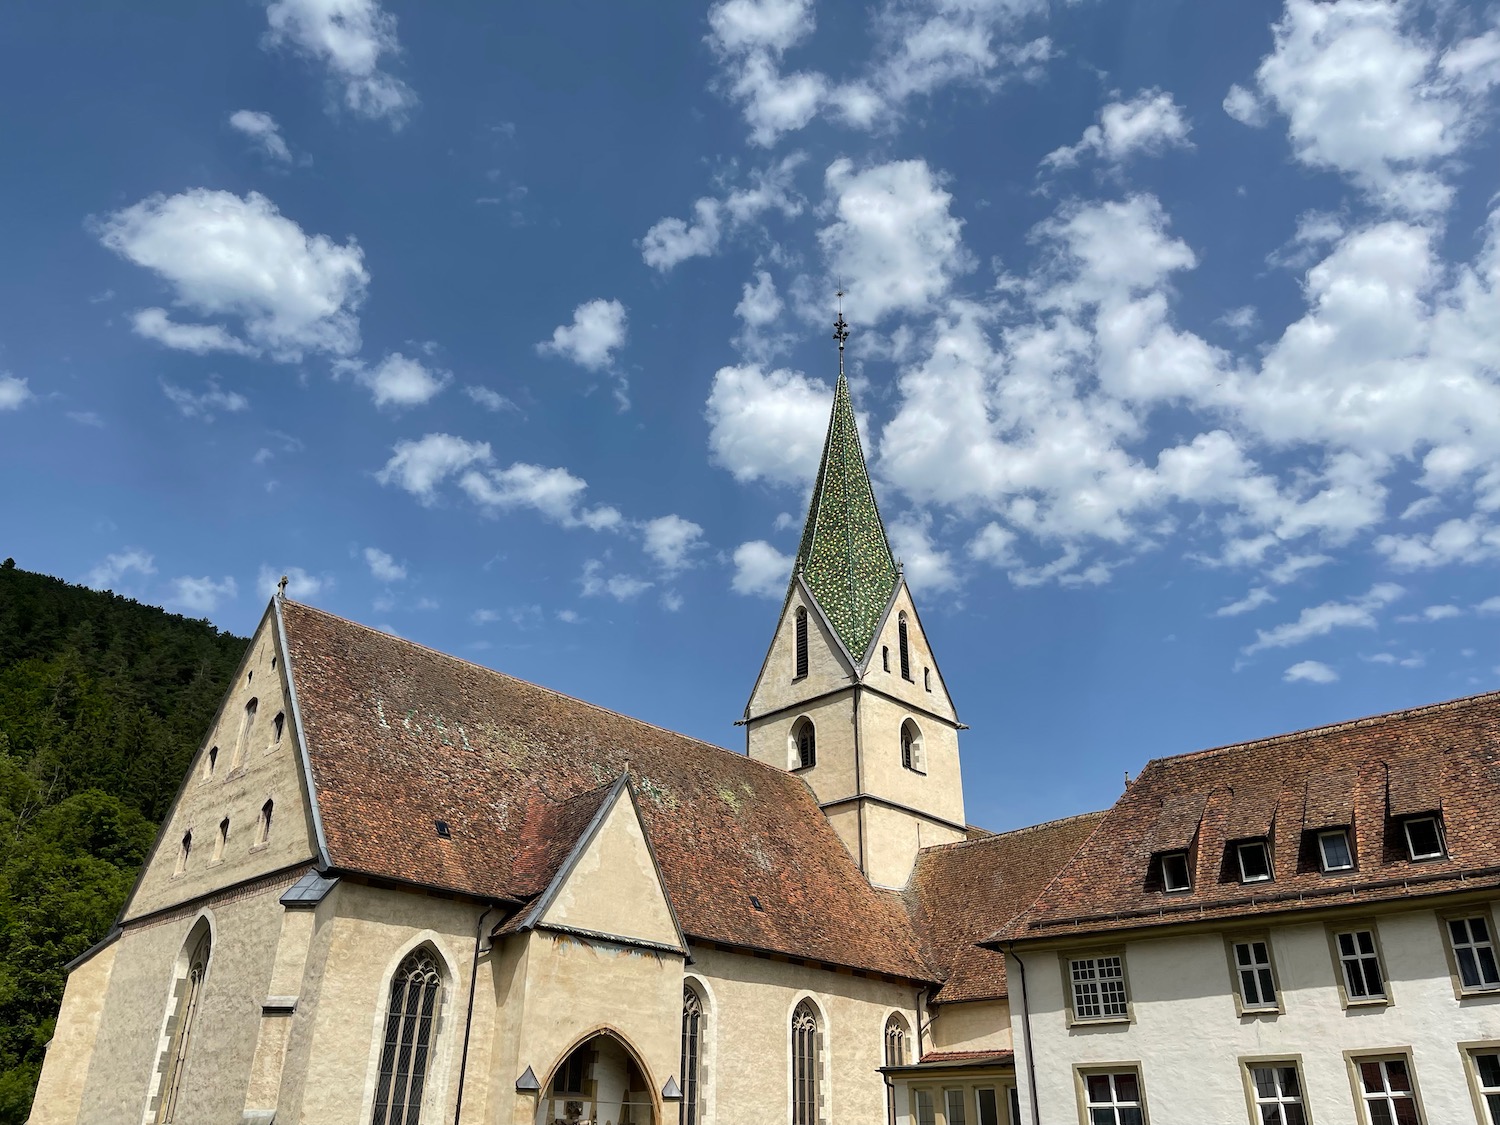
[1333,850]
[1175,875]
[925,1115]
[1114,1098]
[989,1108]
[1473,952]
[1098,988]
[1277,1091]
[1424,838]
[1252,965]
[953,1102]
[1255,861]
[1386,1088]
[1360,962]
[1486,1075]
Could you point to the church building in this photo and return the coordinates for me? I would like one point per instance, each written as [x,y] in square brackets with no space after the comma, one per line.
[397,888]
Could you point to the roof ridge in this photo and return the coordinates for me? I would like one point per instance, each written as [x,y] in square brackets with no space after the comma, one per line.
[954,845]
[539,687]
[1327,728]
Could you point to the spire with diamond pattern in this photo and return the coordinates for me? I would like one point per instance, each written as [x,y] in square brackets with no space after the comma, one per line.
[844,557]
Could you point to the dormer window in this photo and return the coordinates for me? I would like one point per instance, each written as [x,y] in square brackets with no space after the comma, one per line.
[1254,861]
[1424,838]
[1334,853]
[1175,874]
[801,645]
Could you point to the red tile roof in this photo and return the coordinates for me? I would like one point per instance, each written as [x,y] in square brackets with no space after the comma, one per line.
[961,893]
[1365,773]
[967,1056]
[399,736]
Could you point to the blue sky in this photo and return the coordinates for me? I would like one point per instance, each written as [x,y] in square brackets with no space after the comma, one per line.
[506,328]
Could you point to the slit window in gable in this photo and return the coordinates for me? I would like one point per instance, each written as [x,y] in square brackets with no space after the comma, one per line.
[801,644]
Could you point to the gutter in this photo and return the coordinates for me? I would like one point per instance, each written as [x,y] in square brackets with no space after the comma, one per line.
[463,1057]
[1010,951]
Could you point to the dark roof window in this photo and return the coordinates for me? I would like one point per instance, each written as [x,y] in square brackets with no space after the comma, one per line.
[1334,853]
[1424,838]
[1254,861]
[443,831]
[1175,874]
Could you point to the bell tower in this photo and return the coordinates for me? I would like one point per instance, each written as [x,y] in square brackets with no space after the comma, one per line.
[850,696]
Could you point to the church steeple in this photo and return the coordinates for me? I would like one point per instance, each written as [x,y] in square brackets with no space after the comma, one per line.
[844,557]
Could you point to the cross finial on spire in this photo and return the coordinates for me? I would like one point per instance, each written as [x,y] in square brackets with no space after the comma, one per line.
[841,331]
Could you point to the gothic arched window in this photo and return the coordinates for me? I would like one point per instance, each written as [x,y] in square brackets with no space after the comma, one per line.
[415,994]
[189,996]
[692,1053]
[911,746]
[905,649]
[895,1041]
[184,851]
[804,744]
[244,739]
[801,643]
[806,1096]
[265,821]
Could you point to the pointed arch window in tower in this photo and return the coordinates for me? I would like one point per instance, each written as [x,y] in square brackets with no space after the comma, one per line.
[804,744]
[801,644]
[911,747]
[806,1063]
[692,1046]
[415,993]
[905,648]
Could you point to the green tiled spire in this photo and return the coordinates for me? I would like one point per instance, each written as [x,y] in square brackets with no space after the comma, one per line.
[844,557]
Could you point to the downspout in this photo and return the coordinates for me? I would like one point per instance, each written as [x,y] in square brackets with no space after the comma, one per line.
[1010,951]
[859,788]
[463,1057]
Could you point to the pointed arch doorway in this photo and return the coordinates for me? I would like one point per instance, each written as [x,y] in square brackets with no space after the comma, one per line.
[598,1082]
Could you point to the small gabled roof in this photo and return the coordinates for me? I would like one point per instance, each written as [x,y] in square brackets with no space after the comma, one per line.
[399,736]
[960,893]
[844,555]
[1365,774]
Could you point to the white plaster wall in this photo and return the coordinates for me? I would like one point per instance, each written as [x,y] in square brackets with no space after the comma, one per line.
[826,669]
[938,787]
[1188,1039]
[832,778]
[980,1025]
[752,999]
[59,1092]
[913,690]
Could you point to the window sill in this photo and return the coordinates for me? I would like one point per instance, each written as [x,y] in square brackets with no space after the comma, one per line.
[260,847]
[1262,1010]
[1369,1002]
[1100,1021]
[1482,992]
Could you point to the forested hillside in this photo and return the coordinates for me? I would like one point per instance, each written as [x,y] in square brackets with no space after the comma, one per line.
[102,703]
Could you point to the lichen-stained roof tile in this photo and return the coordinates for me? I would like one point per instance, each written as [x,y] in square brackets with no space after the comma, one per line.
[961,893]
[844,555]
[399,736]
[1363,774]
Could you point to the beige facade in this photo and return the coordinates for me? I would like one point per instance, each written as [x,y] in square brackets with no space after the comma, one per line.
[1192,1039]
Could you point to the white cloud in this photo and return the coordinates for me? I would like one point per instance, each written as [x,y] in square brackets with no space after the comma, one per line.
[263,130]
[671,601]
[767,425]
[746,25]
[348,37]
[672,240]
[397,380]
[1149,123]
[1489,605]
[1320,620]
[242,260]
[300,586]
[86,418]
[671,540]
[1241,321]
[925,565]
[555,493]
[383,568]
[1415,660]
[1257,597]
[207,403]
[115,567]
[200,595]
[760,569]
[14,392]
[1290,567]
[597,332]
[420,466]
[1310,672]
[622,587]
[1362,95]
[492,401]
[1242,105]
[894,242]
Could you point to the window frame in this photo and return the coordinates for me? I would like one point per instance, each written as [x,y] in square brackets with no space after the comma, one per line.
[1081,1073]
[1250,937]
[1339,830]
[1357,925]
[692,1075]
[1437,828]
[1352,1061]
[1066,958]
[794,744]
[1264,845]
[1248,1065]
[1186,856]
[1485,912]
[1471,1074]
[435,1032]
[817,1062]
[800,660]
[903,643]
[914,753]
